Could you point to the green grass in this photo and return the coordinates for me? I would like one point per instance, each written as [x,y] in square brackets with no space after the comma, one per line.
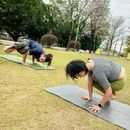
[25,106]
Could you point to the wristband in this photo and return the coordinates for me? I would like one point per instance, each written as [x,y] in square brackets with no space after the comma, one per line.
[100,105]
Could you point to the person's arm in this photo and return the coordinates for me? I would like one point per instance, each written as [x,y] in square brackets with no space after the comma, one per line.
[107,96]
[104,83]
[24,58]
[33,59]
[90,89]
[90,86]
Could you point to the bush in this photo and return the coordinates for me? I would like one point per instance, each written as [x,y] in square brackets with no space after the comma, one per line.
[75,45]
[128,49]
[49,39]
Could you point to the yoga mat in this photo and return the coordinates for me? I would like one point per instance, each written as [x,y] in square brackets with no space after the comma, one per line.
[115,112]
[17,59]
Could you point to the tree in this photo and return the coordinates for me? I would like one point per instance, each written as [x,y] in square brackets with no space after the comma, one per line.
[75,45]
[127,49]
[11,13]
[56,23]
[21,17]
[97,23]
[72,15]
[116,30]
[37,23]
[49,39]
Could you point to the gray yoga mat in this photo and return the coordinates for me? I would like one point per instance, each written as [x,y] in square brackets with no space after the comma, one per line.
[17,59]
[114,111]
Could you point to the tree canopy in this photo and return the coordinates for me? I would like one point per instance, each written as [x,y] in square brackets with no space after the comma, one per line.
[86,21]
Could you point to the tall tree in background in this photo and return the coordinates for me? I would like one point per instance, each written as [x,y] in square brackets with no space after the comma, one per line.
[56,23]
[12,16]
[73,15]
[127,49]
[98,23]
[115,34]
[21,17]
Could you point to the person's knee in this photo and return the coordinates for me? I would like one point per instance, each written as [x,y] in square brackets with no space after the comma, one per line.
[6,48]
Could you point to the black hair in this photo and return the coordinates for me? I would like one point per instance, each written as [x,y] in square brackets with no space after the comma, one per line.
[48,58]
[75,67]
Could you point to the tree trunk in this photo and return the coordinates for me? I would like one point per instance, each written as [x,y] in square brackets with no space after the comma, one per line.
[121,46]
[114,49]
[92,41]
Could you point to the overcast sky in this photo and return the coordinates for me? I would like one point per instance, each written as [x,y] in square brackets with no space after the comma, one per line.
[120,8]
[46,1]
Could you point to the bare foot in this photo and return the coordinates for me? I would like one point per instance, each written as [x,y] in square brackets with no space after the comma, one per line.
[113,97]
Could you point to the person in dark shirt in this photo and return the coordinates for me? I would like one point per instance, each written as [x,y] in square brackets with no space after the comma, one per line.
[32,48]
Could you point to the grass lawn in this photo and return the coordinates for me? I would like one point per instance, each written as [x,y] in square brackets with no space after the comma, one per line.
[25,106]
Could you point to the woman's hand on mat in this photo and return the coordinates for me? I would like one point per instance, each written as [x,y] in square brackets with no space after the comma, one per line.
[86,98]
[95,108]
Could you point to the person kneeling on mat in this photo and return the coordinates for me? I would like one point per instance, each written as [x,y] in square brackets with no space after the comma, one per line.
[105,75]
[32,48]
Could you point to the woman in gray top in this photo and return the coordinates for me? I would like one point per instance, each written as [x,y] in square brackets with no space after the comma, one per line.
[106,75]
